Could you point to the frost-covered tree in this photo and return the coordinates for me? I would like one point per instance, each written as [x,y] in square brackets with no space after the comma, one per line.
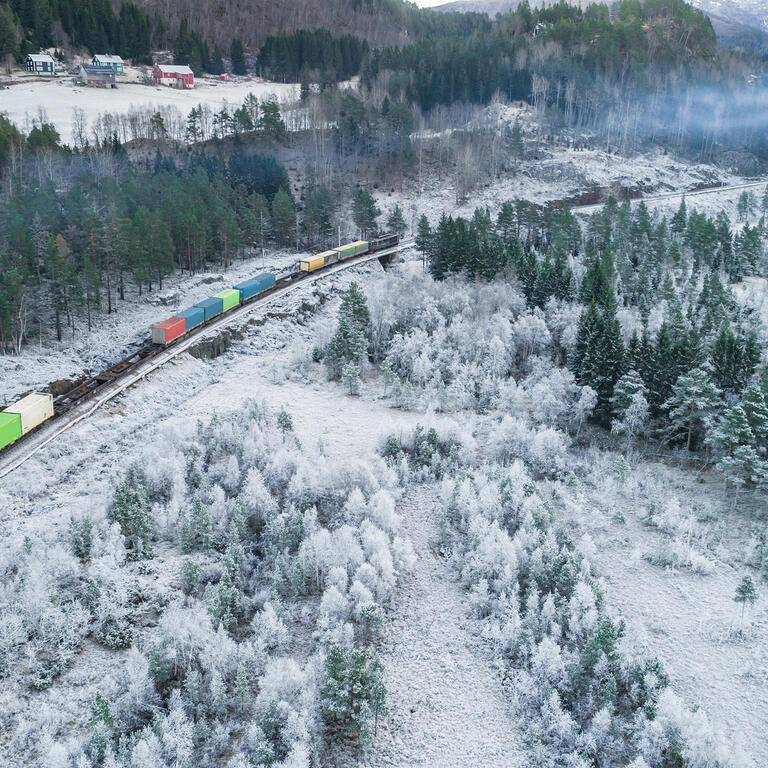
[746,594]
[284,422]
[350,377]
[396,221]
[692,406]
[130,509]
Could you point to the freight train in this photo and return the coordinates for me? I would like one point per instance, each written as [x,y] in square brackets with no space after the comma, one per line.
[37,407]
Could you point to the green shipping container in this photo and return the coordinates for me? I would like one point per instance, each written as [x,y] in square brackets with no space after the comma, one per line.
[10,428]
[230,298]
[352,249]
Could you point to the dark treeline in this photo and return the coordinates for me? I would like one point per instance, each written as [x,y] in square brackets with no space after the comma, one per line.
[28,25]
[107,221]
[288,56]
[191,49]
[636,260]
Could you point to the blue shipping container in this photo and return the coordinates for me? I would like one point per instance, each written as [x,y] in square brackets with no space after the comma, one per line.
[194,316]
[250,288]
[212,307]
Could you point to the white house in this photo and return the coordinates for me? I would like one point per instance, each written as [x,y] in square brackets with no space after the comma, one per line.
[42,63]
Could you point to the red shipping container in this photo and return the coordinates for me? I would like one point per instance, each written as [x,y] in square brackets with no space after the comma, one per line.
[168,330]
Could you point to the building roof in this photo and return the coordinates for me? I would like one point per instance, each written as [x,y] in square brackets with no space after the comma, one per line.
[174,69]
[93,69]
[41,57]
[109,58]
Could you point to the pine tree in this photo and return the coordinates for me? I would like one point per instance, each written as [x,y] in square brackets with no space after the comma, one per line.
[691,406]
[284,218]
[746,592]
[396,221]
[353,693]
[237,56]
[364,211]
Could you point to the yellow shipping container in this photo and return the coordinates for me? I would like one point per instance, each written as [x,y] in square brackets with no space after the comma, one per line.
[312,262]
[34,409]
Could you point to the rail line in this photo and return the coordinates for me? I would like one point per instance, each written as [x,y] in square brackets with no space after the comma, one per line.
[91,392]
[673,195]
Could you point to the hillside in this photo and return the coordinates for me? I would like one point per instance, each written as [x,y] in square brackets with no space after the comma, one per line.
[738,24]
[382,22]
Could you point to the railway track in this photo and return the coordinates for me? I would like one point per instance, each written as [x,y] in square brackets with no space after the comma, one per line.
[679,195]
[91,392]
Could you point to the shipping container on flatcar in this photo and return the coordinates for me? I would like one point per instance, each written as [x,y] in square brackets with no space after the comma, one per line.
[250,288]
[193,316]
[10,428]
[311,263]
[34,409]
[212,307]
[351,249]
[230,298]
[168,330]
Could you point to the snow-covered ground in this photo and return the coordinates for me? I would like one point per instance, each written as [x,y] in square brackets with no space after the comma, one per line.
[689,619]
[22,98]
[447,703]
[46,360]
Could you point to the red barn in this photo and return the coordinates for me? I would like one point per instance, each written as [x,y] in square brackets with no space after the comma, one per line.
[174,75]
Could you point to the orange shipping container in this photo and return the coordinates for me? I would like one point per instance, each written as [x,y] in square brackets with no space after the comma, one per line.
[168,330]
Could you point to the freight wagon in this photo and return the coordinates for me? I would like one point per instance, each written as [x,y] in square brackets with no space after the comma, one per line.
[256,285]
[211,307]
[24,415]
[168,330]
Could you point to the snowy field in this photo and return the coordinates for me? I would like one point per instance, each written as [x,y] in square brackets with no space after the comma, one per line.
[23,98]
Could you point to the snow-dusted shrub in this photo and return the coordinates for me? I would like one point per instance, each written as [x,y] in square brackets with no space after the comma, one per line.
[589,690]
[674,553]
[246,542]
[545,450]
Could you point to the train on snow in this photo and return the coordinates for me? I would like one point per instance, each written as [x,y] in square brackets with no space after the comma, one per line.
[33,409]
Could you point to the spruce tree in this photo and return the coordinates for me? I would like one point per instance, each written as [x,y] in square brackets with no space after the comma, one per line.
[756,410]
[732,431]
[284,218]
[628,385]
